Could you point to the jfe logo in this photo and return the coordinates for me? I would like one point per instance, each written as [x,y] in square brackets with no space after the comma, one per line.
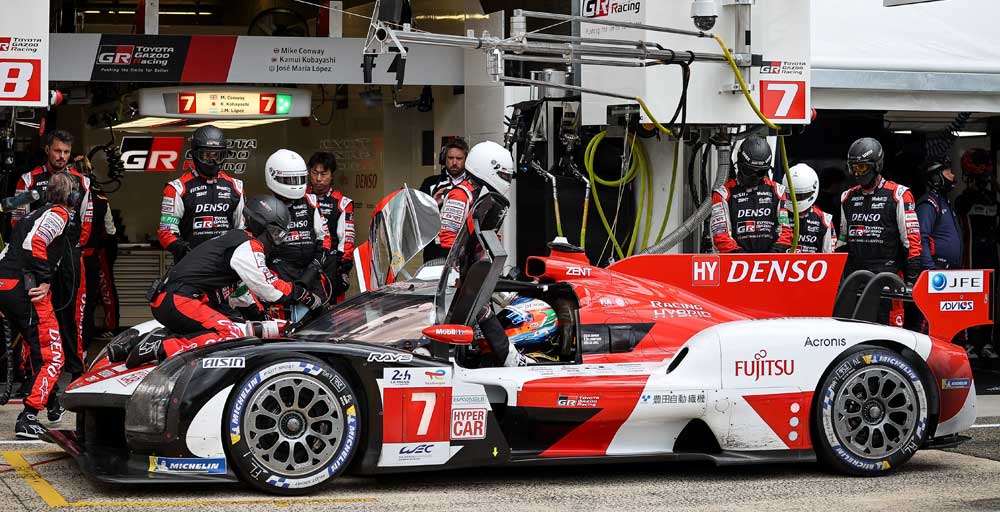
[959,281]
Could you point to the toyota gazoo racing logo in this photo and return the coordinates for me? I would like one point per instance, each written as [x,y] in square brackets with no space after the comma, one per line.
[155,154]
[762,366]
[126,55]
[19,44]
[600,8]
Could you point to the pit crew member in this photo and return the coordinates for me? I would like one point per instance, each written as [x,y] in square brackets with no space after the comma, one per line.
[977,210]
[816,232]
[26,277]
[338,210]
[308,241]
[941,240]
[188,300]
[98,261]
[456,195]
[69,287]
[749,213]
[203,203]
[452,161]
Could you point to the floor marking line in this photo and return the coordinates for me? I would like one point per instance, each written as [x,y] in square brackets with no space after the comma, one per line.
[36,464]
[988,425]
[192,503]
[42,487]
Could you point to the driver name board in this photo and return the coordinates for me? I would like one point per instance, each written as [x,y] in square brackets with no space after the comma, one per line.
[224,103]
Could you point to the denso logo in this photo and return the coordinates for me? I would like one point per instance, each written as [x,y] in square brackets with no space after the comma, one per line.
[761,366]
[298,224]
[753,212]
[866,217]
[764,271]
[211,208]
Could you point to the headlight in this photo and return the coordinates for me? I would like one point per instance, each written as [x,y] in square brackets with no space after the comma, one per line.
[146,412]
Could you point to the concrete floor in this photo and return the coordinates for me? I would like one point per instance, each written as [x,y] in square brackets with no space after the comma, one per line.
[967,478]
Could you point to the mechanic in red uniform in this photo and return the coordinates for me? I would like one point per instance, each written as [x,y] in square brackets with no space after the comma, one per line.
[188,300]
[308,242]
[879,229]
[69,290]
[452,160]
[201,204]
[98,260]
[816,232]
[749,213]
[456,195]
[26,276]
[338,210]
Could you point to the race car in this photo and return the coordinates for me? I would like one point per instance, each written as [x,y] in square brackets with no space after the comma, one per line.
[733,359]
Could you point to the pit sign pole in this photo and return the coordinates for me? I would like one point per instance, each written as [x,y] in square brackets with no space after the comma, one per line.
[24,53]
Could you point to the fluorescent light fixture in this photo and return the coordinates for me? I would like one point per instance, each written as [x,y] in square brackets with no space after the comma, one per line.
[902,132]
[969,134]
[147,122]
[170,13]
[450,17]
[234,124]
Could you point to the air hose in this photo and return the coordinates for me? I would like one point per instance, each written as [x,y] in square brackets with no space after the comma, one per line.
[638,166]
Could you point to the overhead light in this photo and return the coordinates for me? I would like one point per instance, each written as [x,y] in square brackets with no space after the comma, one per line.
[450,17]
[969,134]
[902,132]
[169,13]
[234,124]
[147,122]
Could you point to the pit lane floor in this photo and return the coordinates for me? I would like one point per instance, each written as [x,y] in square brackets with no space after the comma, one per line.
[36,476]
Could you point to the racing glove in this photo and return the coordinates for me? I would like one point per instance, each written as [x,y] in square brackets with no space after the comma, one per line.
[303,296]
[179,249]
[913,270]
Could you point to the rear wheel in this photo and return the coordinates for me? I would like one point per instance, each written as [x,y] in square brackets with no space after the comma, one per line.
[872,412]
[292,425]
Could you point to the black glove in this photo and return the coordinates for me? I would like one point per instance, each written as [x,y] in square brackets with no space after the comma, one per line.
[346,265]
[303,296]
[913,271]
[179,249]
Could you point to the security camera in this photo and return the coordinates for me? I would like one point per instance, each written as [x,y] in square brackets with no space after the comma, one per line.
[704,13]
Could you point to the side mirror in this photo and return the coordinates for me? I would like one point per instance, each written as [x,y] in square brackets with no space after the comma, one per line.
[451,334]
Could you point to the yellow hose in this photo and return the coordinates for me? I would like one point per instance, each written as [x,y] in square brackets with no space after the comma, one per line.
[781,139]
[638,167]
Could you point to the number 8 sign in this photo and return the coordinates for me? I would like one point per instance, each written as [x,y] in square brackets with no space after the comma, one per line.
[20,80]
[783,99]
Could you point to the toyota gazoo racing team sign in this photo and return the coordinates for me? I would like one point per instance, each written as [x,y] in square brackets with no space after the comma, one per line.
[145,153]
[24,53]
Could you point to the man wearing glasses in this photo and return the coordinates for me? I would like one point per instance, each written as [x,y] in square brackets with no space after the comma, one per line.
[201,204]
[879,229]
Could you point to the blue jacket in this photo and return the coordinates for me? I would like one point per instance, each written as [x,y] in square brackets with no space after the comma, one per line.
[940,233]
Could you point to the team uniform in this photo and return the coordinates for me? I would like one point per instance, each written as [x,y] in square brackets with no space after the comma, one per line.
[816,232]
[880,229]
[457,202]
[98,259]
[29,253]
[338,210]
[750,219]
[940,235]
[190,296]
[308,239]
[69,284]
[196,208]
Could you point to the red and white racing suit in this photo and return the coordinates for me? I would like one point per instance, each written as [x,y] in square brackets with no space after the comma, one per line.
[338,210]
[28,254]
[750,219]
[454,209]
[191,294]
[69,284]
[195,209]
[816,232]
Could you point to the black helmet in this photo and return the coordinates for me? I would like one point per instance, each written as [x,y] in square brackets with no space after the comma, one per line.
[753,160]
[936,180]
[208,150]
[267,219]
[864,160]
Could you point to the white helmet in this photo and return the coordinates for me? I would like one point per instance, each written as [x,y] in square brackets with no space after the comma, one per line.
[286,174]
[491,163]
[806,185]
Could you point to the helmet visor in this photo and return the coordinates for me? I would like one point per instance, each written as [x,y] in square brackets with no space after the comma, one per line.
[801,197]
[505,175]
[296,180]
[860,168]
[210,155]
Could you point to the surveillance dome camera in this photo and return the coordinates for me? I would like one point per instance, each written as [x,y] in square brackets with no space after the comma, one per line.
[704,13]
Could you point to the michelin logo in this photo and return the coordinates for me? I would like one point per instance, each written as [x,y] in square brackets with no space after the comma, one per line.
[187,466]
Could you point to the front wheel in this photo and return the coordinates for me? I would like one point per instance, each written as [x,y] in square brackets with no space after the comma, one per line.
[292,425]
[872,412]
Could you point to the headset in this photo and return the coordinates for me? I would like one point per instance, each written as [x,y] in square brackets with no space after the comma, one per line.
[442,155]
[934,178]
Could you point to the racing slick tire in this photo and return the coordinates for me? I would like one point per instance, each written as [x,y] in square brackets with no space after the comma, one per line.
[871,412]
[292,425]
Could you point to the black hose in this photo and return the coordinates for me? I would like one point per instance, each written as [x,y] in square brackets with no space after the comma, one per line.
[692,188]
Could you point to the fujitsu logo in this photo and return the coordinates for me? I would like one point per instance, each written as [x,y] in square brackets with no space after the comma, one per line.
[761,366]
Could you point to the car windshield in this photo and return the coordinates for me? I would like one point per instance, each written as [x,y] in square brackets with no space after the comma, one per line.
[393,313]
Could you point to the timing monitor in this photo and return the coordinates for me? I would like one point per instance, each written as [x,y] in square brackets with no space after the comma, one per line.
[221,102]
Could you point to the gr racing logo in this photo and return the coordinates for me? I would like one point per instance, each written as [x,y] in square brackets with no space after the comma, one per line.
[600,8]
[154,154]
